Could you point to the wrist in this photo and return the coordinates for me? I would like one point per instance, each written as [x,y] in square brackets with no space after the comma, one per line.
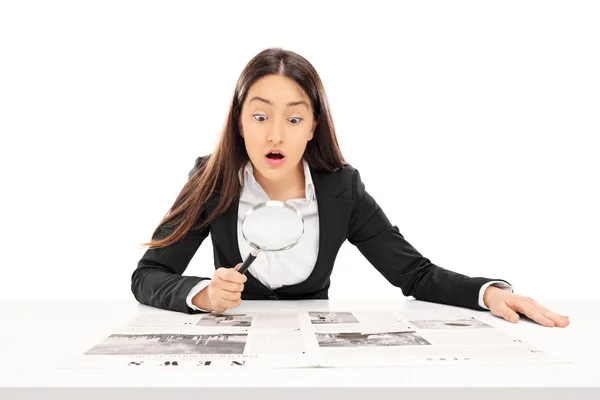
[201,299]
[489,294]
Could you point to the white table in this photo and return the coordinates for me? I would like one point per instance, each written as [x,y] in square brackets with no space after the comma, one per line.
[33,335]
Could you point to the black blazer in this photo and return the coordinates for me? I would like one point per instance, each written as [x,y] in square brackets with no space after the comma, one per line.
[346,211]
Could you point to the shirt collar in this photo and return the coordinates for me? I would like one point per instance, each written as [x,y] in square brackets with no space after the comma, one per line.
[247,173]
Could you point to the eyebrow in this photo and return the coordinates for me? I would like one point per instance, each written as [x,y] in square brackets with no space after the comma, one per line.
[293,103]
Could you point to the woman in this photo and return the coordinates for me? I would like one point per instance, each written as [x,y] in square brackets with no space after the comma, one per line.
[279,143]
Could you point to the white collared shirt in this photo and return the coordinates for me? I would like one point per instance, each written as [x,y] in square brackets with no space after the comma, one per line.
[294,265]
[276,269]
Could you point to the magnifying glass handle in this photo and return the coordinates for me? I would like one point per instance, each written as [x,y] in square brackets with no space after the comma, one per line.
[248,261]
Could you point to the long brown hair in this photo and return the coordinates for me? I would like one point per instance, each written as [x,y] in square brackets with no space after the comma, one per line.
[217,174]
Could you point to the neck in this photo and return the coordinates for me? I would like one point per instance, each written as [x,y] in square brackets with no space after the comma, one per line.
[289,187]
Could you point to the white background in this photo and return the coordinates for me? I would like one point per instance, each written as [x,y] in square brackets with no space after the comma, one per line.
[474,125]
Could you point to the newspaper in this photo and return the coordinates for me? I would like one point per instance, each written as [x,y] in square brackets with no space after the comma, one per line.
[306,339]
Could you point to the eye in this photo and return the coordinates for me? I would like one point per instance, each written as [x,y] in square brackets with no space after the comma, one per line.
[257,116]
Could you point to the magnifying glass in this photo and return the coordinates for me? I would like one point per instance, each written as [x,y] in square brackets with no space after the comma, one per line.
[271,226]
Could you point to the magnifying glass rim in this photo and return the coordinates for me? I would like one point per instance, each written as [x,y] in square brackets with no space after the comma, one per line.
[270,204]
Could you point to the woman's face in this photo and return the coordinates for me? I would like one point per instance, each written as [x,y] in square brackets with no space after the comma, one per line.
[276,114]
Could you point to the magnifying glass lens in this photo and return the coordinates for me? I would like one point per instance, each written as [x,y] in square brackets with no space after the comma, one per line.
[271,226]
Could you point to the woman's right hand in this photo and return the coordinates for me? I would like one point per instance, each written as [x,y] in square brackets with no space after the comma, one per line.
[223,292]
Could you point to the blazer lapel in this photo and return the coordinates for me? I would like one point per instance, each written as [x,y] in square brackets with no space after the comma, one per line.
[227,225]
[334,214]
[229,221]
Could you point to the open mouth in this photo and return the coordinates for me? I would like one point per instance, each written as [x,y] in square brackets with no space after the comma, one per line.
[275,156]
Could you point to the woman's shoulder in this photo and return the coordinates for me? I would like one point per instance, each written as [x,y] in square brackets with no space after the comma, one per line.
[343,181]
[197,163]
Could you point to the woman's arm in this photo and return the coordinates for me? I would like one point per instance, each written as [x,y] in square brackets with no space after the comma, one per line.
[157,281]
[400,263]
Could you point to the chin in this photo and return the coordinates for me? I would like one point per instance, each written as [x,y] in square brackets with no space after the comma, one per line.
[272,172]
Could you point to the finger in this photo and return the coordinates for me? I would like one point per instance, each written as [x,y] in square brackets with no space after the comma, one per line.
[229,303]
[230,275]
[559,320]
[236,276]
[230,286]
[531,311]
[504,311]
[230,296]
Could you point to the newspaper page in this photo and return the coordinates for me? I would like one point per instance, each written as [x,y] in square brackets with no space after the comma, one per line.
[213,340]
[433,339]
[306,339]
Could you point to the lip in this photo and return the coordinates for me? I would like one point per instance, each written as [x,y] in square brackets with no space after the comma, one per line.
[277,151]
[275,162]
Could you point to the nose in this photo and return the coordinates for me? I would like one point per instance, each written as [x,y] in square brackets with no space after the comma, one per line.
[274,134]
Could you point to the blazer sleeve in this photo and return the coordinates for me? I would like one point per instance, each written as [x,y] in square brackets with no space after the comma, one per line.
[157,281]
[400,263]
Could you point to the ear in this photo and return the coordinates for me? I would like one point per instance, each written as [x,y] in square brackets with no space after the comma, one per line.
[312,132]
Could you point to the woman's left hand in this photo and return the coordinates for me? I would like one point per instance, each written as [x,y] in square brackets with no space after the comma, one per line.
[505,304]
